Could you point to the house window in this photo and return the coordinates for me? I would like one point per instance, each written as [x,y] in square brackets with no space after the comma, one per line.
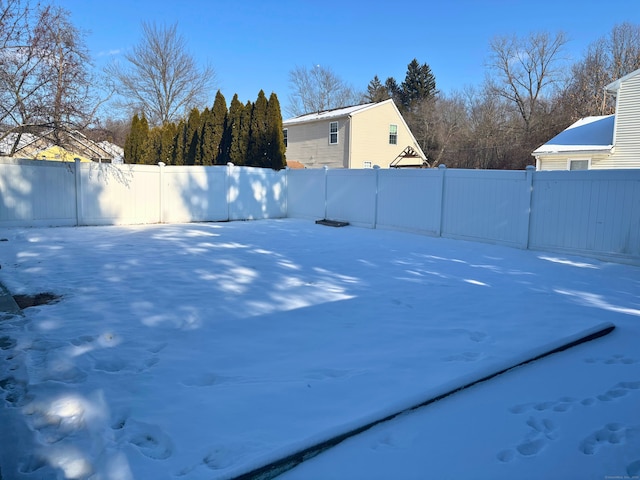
[579,165]
[367,164]
[393,134]
[333,133]
[284,132]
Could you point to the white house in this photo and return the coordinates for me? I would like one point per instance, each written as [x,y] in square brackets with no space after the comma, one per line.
[599,142]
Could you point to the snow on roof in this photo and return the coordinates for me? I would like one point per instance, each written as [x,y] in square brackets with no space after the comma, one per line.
[587,134]
[6,144]
[327,114]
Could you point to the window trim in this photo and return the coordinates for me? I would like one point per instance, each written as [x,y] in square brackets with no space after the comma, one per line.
[571,160]
[332,133]
[285,135]
[392,135]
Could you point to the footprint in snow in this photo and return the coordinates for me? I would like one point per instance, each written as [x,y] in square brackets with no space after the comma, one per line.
[149,439]
[610,434]
[540,433]
[616,359]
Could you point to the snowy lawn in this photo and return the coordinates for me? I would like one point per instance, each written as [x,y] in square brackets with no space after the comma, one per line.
[202,351]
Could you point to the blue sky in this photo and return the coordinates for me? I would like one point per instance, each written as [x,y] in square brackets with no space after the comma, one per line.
[253,45]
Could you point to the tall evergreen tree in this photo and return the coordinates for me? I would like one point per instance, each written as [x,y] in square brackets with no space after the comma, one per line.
[419,84]
[256,154]
[206,150]
[274,135]
[179,143]
[135,142]
[376,91]
[235,132]
[130,142]
[217,121]
[192,137]
[168,143]
[152,147]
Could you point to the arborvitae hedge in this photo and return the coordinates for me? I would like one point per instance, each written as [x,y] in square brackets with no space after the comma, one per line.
[249,134]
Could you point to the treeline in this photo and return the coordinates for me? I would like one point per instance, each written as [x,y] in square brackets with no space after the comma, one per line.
[244,134]
[531,93]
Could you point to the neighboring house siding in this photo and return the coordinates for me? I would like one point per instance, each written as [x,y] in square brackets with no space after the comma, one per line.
[597,161]
[363,137]
[553,163]
[370,136]
[627,133]
[308,143]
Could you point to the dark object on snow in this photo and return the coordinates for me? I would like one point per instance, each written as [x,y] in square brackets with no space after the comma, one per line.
[277,467]
[26,301]
[331,223]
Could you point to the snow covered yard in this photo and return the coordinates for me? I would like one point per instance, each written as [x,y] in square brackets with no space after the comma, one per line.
[202,351]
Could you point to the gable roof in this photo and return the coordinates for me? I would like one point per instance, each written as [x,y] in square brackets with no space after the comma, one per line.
[613,87]
[331,114]
[587,134]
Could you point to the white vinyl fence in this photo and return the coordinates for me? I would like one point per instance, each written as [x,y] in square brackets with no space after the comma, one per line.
[45,193]
[593,213]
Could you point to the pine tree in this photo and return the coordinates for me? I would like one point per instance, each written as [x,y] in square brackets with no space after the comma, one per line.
[152,147]
[130,142]
[178,144]
[235,133]
[168,143]
[419,84]
[192,137]
[376,92]
[135,142]
[206,150]
[274,135]
[256,153]
[218,119]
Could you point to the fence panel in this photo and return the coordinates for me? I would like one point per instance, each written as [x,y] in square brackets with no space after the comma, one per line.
[410,199]
[306,193]
[487,205]
[256,193]
[194,194]
[118,194]
[588,212]
[351,196]
[37,193]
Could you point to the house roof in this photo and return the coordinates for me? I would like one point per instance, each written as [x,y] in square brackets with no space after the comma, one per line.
[613,87]
[294,164]
[328,114]
[587,134]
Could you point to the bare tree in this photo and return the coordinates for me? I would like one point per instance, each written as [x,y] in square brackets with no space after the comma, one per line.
[45,80]
[317,89]
[606,60]
[159,78]
[525,70]
[624,47]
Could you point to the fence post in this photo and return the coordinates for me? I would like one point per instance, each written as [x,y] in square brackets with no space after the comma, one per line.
[227,182]
[78,191]
[326,191]
[530,170]
[161,193]
[375,205]
[441,169]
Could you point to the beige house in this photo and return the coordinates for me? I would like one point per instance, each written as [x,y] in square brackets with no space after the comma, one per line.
[361,136]
[600,142]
